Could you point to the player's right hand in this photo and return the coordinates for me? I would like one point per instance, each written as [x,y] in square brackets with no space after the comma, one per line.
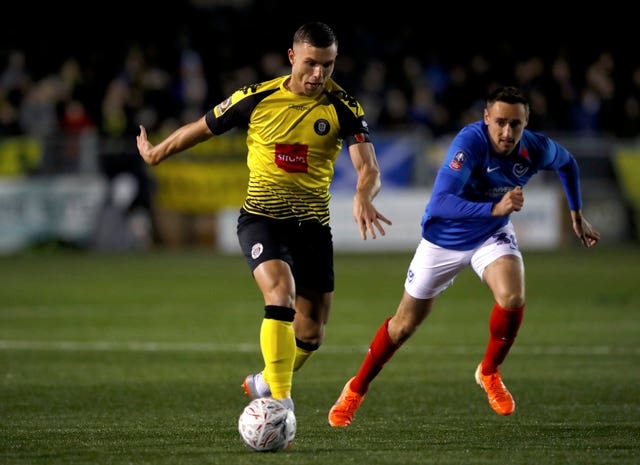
[144,146]
[510,202]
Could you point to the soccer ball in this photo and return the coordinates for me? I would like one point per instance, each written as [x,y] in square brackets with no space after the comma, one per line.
[265,425]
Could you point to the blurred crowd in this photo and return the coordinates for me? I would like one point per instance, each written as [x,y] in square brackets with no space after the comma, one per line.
[84,83]
[401,84]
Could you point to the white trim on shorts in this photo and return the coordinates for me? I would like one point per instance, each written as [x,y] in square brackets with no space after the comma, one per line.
[434,268]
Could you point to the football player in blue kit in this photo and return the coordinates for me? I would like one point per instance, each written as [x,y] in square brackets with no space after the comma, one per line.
[467,223]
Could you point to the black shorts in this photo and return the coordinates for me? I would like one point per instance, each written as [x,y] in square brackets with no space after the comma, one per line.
[307,246]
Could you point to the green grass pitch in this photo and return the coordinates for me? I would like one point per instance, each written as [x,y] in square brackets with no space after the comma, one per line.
[138,359]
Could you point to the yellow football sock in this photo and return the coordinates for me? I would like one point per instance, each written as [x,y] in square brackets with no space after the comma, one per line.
[302,355]
[278,345]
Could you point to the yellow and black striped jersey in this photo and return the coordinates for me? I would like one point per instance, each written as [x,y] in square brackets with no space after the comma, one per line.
[293,142]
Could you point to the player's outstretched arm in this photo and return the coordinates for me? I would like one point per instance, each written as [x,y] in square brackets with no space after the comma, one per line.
[179,140]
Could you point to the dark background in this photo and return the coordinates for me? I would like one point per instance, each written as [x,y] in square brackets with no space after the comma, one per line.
[237,32]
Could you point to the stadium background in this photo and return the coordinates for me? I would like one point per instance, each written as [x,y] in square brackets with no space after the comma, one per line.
[75,82]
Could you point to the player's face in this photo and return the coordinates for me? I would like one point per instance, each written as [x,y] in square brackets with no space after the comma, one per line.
[505,122]
[311,68]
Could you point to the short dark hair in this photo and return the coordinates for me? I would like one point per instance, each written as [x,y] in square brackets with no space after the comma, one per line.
[316,34]
[507,94]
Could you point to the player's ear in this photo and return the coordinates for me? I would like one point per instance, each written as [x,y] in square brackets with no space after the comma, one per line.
[486,116]
[291,54]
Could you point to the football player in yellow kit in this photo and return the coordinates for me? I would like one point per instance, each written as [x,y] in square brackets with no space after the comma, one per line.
[296,126]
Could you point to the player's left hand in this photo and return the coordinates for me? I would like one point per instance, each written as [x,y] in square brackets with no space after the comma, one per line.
[369,219]
[583,229]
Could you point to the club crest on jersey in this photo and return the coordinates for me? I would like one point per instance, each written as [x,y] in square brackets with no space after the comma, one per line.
[519,169]
[457,162]
[321,127]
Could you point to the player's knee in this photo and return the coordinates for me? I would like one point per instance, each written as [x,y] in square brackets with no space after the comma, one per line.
[513,300]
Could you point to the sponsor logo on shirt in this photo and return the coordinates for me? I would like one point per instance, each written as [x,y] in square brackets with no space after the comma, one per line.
[292,158]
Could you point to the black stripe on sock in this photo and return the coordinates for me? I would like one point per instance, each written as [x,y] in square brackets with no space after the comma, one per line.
[307,345]
[276,312]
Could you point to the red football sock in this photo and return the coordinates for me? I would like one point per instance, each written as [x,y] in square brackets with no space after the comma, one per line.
[503,329]
[380,351]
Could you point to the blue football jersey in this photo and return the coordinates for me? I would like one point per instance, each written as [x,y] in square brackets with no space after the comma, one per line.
[473,177]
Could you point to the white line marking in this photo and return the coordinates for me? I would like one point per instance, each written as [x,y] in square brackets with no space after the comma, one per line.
[136,346]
